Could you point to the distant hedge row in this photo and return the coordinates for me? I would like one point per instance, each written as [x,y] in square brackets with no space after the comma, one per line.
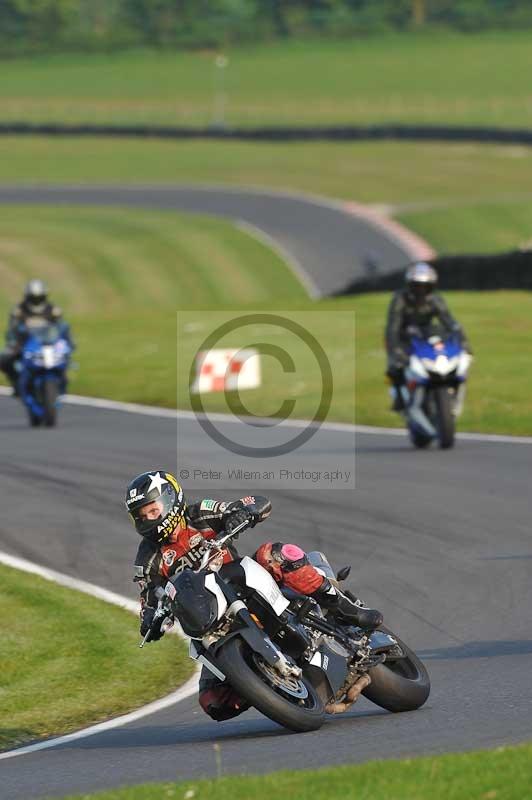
[47,25]
[511,270]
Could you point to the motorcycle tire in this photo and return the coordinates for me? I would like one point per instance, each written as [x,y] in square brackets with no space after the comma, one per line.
[236,661]
[50,395]
[33,419]
[445,417]
[399,685]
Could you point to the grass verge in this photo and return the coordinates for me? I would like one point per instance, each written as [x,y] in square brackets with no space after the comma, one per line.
[69,660]
[122,275]
[104,262]
[502,774]
[499,395]
[426,77]
[462,197]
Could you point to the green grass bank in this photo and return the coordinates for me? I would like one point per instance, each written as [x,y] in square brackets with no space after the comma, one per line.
[502,774]
[122,275]
[462,197]
[69,660]
[428,77]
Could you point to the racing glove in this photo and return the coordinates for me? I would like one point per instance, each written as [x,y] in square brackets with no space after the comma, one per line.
[236,518]
[146,623]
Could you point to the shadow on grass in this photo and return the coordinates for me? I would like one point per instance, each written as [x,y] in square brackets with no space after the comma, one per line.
[517,647]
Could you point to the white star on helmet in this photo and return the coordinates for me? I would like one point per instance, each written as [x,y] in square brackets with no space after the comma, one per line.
[157,482]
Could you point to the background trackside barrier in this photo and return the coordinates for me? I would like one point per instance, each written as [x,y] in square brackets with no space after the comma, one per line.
[511,270]
[226,370]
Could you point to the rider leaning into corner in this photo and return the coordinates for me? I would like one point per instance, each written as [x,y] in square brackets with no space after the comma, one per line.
[173,535]
[33,309]
[416,305]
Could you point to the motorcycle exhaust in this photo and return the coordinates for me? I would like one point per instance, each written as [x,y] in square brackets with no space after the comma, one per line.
[351,697]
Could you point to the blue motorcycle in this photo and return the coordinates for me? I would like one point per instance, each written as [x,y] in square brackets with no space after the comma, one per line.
[434,390]
[42,371]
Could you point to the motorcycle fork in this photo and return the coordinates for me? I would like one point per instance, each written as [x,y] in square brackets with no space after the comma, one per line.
[459,397]
[416,410]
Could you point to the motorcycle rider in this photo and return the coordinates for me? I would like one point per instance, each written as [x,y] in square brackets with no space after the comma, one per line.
[416,305]
[173,538]
[33,308]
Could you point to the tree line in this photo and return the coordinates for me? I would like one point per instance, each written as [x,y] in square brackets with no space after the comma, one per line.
[46,25]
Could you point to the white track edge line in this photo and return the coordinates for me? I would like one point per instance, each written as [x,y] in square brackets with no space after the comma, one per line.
[189,688]
[168,413]
[291,262]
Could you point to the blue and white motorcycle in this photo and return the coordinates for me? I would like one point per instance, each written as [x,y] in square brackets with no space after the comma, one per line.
[434,389]
[42,371]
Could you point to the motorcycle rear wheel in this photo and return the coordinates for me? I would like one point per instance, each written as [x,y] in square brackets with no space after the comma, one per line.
[236,661]
[400,685]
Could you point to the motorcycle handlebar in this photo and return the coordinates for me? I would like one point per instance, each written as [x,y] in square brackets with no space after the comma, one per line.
[162,611]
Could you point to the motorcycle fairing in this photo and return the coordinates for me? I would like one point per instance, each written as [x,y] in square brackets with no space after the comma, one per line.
[261,581]
[435,356]
[195,604]
[44,358]
[197,653]
[329,664]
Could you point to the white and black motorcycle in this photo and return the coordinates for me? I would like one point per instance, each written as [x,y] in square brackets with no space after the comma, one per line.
[434,390]
[278,649]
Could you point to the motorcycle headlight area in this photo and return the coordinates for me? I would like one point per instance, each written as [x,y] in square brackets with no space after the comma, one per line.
[48,356]
[441,365]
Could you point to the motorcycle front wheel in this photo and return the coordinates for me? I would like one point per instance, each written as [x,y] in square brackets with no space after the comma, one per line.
[445,417]
[400,684]
[50,394]
[291,702]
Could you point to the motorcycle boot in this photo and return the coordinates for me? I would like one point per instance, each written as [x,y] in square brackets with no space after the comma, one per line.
[218,699]
[398,403]
[347,608]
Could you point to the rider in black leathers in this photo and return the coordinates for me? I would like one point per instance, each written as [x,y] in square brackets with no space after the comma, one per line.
[34,307]
[173,538]
[415,306]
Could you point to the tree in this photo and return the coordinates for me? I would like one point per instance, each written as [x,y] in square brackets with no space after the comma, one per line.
[419,12]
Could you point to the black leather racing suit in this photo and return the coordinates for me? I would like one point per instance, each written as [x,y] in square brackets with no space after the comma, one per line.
[155,564]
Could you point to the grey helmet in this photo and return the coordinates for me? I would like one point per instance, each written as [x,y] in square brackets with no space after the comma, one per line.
[421,279]
[36,296]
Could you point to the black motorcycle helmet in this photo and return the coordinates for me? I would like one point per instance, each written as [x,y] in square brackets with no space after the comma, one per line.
[35,295]
[160,489]
[421,280]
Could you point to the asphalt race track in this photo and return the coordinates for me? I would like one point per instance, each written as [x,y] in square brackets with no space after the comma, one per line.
[439,541]
[324,242]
